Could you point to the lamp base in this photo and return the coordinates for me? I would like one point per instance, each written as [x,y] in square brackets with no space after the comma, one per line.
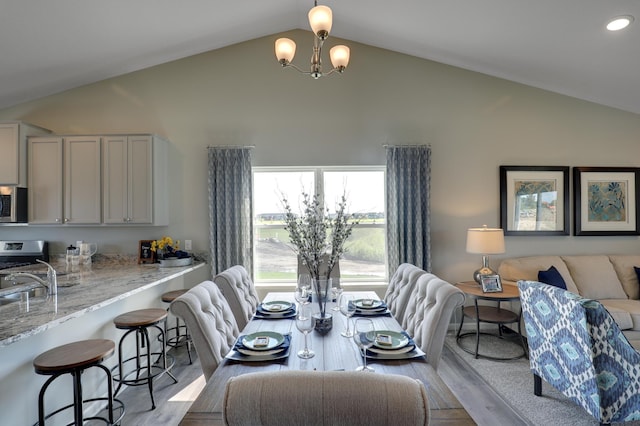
[482,271]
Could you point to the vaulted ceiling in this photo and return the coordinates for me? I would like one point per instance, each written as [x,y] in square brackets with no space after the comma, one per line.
[558,45]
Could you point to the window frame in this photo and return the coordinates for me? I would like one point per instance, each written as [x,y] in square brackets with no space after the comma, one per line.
[318,174]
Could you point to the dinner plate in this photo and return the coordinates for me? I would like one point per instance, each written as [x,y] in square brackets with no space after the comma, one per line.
[416,352]
[275,339]
[249,352]
[236,355]
[403,350]
[367,303]
[276,306]
[398,340]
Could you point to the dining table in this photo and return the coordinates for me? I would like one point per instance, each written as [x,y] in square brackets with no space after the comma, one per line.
[332,352]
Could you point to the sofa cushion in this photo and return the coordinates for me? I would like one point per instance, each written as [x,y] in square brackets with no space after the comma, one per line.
[625,312]
[526,268]
[595,277]
[623,265]
[552,277]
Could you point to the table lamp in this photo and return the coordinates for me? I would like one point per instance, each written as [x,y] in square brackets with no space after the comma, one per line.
[485,241]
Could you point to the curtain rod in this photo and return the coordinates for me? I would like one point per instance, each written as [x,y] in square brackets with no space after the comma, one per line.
[386,145]
[231,146]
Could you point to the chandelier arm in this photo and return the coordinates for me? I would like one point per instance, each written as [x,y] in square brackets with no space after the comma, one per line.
[295,67]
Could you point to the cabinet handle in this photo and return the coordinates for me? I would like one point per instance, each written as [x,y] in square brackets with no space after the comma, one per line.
[66,219]
[57,220]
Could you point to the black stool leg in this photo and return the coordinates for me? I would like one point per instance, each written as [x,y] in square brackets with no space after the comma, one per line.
[145,334]
[109,391]
[77,397]
[41,416]
[164,355]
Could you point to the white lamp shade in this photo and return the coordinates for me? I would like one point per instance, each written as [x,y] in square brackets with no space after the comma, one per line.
[321,19]
[485,240]
[285,49]
[340,56]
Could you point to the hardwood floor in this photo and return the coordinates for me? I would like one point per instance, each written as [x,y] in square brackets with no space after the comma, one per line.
[173,400]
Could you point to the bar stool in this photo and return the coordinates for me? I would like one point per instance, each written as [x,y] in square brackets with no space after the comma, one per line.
[139,322]
[75,358]
[180,338]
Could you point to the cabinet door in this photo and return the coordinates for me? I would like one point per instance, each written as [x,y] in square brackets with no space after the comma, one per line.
[140,172]
[115,208]
[82,195]
[45,180]
[10,151]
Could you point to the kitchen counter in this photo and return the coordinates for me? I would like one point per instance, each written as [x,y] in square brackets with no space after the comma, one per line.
[82,290]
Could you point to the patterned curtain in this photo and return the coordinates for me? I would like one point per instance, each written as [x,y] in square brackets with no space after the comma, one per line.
[408,206]
[230,208]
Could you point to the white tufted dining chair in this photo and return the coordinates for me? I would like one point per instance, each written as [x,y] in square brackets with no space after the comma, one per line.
[210,322]
[429,313]
[238,288]
[400,290]
[315,398]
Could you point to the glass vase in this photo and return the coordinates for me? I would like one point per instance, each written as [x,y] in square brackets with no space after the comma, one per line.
[323,321]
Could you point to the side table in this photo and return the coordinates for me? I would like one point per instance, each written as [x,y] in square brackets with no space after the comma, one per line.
[490,314]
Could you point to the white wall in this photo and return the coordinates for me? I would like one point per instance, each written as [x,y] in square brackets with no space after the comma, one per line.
[239,95]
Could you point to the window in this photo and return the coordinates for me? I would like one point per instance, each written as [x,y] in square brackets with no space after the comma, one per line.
[365,259]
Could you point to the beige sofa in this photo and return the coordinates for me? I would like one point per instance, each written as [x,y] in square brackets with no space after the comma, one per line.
[610,279]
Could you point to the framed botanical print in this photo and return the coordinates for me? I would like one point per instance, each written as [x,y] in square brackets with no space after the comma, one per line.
[606,200]
[534,200]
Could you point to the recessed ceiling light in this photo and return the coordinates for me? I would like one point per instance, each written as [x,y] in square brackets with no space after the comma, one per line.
[619,22]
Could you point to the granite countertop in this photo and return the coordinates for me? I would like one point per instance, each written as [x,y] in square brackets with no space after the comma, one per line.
[80,290]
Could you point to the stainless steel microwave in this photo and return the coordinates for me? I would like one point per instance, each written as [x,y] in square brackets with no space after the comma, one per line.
[13,204]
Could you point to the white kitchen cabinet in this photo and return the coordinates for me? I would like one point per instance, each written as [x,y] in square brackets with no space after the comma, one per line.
[64,180]
[134,179]
[13,151]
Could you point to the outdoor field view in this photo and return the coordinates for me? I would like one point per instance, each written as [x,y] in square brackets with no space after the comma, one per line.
[275,260]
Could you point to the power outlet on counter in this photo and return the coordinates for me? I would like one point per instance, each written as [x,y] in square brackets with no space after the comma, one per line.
[187,245]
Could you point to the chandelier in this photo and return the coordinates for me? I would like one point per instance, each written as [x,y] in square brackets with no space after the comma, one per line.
[320,20]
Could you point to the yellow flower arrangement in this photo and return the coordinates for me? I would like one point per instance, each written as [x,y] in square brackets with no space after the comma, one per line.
[166,245]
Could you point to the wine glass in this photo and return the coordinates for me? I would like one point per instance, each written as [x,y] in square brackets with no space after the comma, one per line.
[302,296]
[303,290]
[304,323]
[364,335]
[335,294]
[348,308]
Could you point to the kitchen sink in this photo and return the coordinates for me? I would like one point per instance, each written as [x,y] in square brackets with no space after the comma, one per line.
[17,296]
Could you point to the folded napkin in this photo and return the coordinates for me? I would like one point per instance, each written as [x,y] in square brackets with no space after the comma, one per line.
[377,350]
[239,346]
[262,313]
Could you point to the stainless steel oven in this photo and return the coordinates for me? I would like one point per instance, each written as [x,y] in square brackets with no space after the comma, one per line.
[13,204]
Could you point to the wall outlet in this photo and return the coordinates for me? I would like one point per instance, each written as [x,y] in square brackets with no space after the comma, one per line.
[187,244]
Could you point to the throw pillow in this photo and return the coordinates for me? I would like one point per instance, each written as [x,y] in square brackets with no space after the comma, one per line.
[552,277]
[637,272]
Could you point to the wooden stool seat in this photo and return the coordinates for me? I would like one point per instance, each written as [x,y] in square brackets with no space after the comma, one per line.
[140,318]
[73,356]
[170,296]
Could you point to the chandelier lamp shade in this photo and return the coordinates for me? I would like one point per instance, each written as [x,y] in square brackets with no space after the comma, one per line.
[320,20]
[485,241]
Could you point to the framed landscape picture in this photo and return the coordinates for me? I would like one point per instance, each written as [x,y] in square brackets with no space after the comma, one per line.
[606,200]
[534,200]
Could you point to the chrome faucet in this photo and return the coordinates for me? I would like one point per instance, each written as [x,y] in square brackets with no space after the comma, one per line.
[51,283]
